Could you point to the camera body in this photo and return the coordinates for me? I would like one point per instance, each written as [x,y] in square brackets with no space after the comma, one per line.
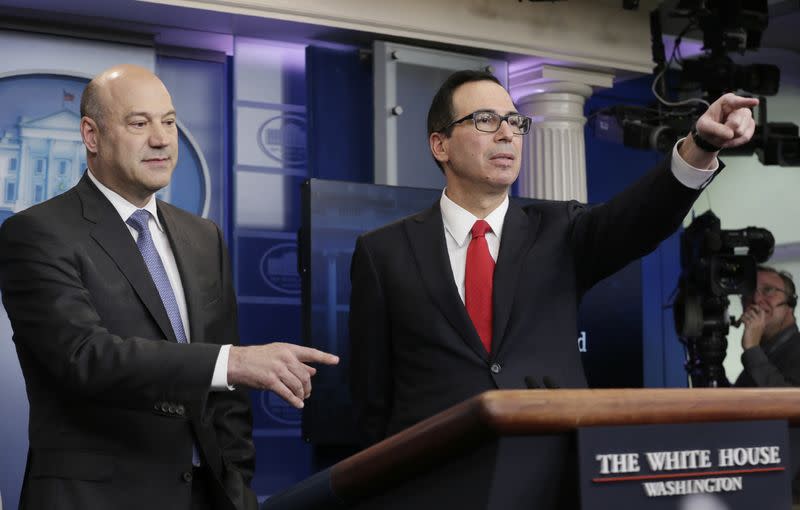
[715,264]
[727,27]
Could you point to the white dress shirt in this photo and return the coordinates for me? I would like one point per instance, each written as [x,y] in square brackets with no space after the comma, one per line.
[219,380]
[458,226]
[458,221]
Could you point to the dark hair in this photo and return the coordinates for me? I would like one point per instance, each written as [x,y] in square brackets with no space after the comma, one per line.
[92,104]
[441,113]
[788,283]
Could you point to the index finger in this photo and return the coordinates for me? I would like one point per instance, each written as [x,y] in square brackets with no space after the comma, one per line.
[310,355]
[734,101]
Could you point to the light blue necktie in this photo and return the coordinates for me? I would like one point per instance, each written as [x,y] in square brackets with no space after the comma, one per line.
[138,220]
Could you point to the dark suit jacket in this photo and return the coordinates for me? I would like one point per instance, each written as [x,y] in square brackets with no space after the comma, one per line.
[773,363]
[115,401]
[414,350]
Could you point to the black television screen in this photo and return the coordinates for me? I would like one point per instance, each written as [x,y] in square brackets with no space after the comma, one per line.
[335,213]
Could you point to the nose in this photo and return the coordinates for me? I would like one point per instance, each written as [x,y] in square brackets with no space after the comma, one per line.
[504,132]
[158,136]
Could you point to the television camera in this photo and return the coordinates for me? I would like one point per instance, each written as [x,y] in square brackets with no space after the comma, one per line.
[727,26]
[715,264]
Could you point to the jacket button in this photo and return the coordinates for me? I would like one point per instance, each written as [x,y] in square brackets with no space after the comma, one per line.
[164,407]
[180,410]
[172,408]
[187,476]
[495,368]
[157,406]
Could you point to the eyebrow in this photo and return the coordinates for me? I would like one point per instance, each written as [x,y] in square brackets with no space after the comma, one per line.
[509,112]
[148,115]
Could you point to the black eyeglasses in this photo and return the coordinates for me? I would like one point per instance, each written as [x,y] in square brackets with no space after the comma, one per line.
[489,122]
[768,291]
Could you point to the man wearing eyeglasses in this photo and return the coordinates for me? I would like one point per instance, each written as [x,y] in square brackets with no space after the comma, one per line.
[477,293]
[771,341]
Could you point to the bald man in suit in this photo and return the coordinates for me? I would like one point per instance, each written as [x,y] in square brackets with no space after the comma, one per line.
[124,320]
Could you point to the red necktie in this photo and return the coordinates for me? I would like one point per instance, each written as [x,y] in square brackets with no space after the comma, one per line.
[478,283]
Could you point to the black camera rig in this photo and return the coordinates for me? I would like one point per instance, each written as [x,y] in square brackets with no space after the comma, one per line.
[715,264]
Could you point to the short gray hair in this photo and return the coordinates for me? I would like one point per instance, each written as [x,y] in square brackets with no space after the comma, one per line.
[92,104]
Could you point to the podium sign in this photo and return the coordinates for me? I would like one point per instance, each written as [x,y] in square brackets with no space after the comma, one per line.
[700,466]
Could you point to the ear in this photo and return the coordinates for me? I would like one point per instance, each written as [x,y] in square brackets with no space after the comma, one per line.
[89,134]
[439,146]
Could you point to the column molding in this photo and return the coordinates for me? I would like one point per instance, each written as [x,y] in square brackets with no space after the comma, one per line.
[554,155]
[588,33]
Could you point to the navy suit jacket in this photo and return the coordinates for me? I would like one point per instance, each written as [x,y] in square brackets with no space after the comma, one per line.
[115,402]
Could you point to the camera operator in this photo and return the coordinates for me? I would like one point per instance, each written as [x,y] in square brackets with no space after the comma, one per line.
[771,340]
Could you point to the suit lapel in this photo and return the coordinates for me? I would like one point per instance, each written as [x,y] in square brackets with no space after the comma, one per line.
[110,232]
[519,232]
[426,235]
[186,257]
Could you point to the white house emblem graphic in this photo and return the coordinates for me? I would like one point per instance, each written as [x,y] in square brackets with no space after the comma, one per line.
[278,268]
[283,138]
[40,158]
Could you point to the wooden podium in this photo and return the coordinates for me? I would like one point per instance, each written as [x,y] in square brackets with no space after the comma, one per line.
[515,448]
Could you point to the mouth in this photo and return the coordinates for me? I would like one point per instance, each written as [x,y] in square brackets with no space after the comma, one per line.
[157,162]
[503,158]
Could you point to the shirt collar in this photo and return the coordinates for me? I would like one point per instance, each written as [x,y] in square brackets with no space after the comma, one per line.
[123,207]
[458,221]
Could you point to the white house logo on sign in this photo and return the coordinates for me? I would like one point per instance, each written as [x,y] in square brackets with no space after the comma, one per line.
[41,155]
[682,472]
[283,138]
[278,268]
[737,465]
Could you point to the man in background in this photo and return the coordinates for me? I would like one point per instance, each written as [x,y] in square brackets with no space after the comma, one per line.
[771,340]
[124,319]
